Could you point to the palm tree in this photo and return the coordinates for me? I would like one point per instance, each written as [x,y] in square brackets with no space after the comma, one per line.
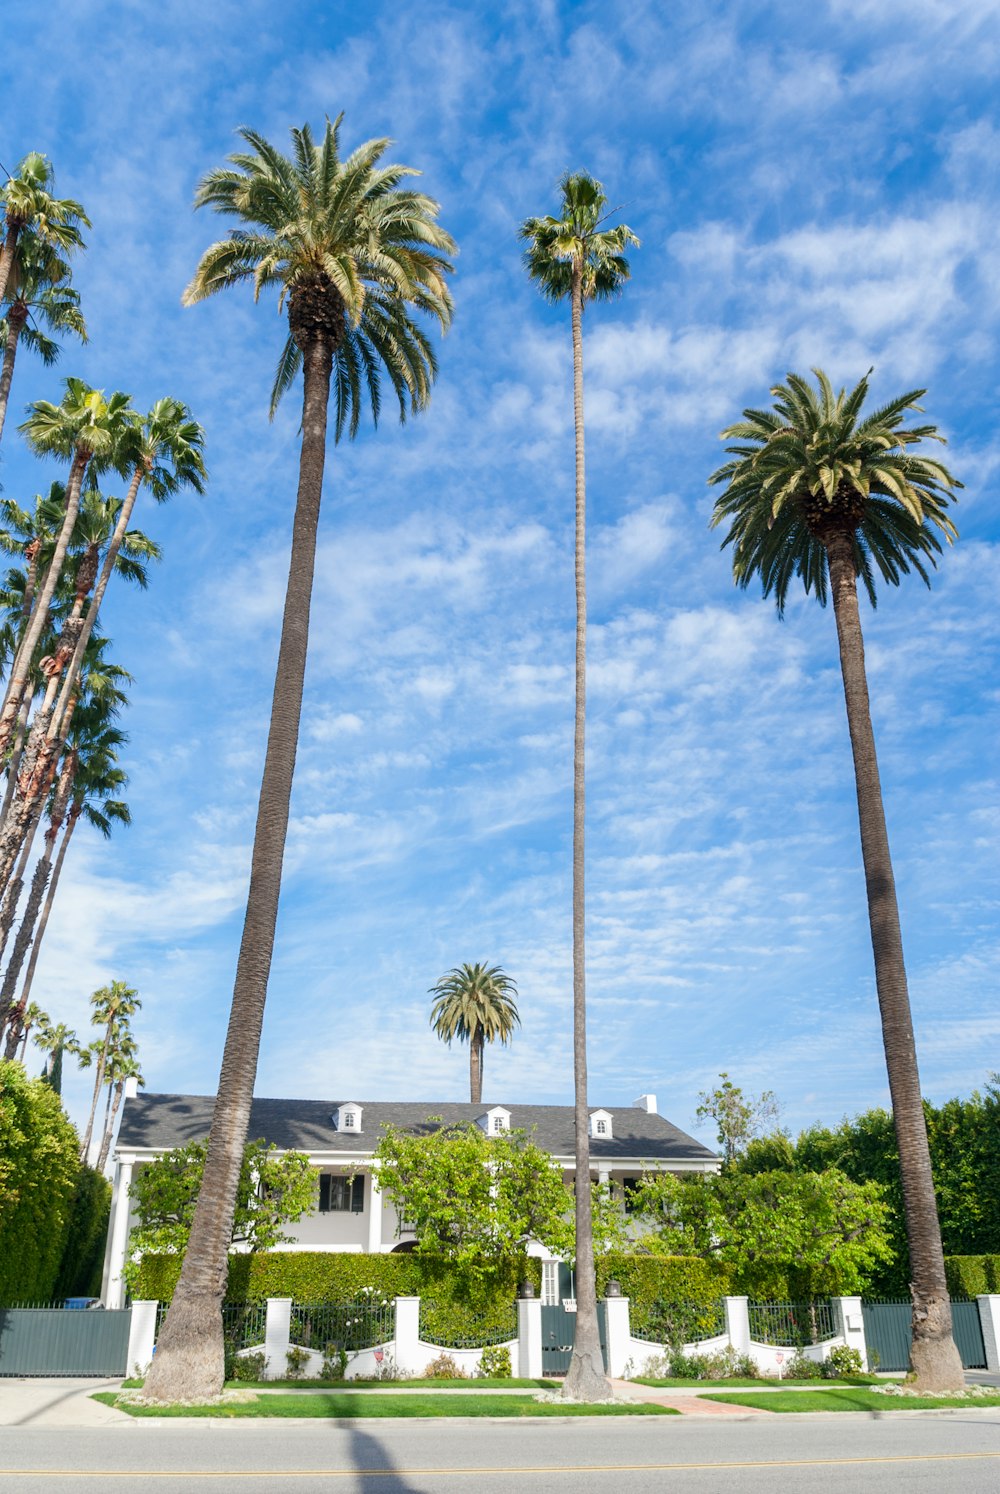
[37,290]
[815,491]
[114,1006]
[475,1003]
[28,203]
[123,1065]
[33,1017]
[87,429]
[96,779]
[354,253]
[164,452]
[55,1040]
[572,257]
[90,775]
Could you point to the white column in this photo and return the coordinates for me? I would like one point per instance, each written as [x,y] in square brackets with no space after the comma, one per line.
[375,1217]
[141,1337]
[113,1285]
[738,1323]
[529,1338]
[854,1326]
[277,1337]
[619,1335]
[989,1317]
[407,1352]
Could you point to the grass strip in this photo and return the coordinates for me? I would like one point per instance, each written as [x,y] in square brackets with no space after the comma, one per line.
[422,1386]
[853,1399]
[349,1407]
[741,1383]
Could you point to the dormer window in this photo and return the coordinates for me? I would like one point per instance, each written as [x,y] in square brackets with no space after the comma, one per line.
[347,1117]
[495,1122]
[601,1127]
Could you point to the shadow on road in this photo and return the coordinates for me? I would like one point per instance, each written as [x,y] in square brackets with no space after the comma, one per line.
[370,1458]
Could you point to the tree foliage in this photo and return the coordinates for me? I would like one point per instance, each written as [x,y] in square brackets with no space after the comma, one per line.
[829,1229]
[274,1190]
[738,1117]
[38,1175]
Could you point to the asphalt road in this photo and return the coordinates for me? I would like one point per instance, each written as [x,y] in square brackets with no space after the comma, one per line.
[955,1453]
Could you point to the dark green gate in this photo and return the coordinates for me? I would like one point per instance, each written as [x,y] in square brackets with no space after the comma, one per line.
[559,1335]
[63,1341]
[888,1331]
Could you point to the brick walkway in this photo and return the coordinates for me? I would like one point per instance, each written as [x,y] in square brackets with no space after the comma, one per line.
[686,1402]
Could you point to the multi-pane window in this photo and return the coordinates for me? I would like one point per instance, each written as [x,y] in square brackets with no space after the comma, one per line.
[602,1128]
[341,1195]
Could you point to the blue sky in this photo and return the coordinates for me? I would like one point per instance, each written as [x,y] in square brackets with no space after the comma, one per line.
[811,186]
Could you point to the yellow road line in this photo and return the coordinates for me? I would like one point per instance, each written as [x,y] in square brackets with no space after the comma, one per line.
[612,1468]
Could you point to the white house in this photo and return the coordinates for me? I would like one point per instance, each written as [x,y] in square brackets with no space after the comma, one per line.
[339,1137]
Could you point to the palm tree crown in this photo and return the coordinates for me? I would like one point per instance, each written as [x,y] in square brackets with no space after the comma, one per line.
[476,1004]
[810,469]
[352,250]
[557,247]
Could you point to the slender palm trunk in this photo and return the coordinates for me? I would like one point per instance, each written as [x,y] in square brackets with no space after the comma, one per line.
[189,1358]
[22,663]
[29,977]
[17,315]
[586,1379]
[12,896]
[59,726]
[39,883]
[477,1045]
[935,1359]
[34,782]
[109,1126]
[102,1059]
[7,254]
[14,765]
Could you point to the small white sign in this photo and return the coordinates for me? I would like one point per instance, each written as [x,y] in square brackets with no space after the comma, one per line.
[569,1304]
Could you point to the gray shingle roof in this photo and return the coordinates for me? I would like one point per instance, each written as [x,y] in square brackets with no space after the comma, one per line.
[164,1121]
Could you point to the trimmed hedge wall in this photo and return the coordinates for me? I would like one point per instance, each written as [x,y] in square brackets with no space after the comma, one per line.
[972,1275]
[450,1305]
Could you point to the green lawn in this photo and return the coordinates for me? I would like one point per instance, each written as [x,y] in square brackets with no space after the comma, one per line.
[418,1385]
[740,1384]
[350,1407]
[847,1398]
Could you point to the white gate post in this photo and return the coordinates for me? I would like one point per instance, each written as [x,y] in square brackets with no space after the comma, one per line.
[141,1337]
[277,1337]
[619,1335]
[529,1338]
[406,1351]
[854,1326]
[738,1323]
[989,1317]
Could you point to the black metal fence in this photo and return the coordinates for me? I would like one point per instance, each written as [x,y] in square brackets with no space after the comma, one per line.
[325,1326]
[677,1323]
[793,1325]
[475,1330]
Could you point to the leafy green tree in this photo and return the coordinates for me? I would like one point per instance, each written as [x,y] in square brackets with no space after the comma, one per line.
[82,1263]
[818,1228]
[814,490]
[38,1173]
[738,1117]
[356,255]
[274,1190]
[28,203]
[572,257]
[476,1004]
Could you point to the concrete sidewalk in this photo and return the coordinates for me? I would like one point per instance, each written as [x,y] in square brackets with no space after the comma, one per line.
[57,1403]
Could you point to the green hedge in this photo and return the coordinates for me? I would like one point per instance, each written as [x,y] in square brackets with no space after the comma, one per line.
[972,1275]
[450,1305]
[82,1263]
[647,1279]
[39,1168]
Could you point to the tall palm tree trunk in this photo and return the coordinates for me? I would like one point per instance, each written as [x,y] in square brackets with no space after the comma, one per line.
[7,253]
[477,1046]
[29,977]
[935,1359]
[17,315]
[586,1379]
[21,945]
[102,1059]
[22,663]
[14,766]
[189,1358]
[109,1125]
[59,726]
